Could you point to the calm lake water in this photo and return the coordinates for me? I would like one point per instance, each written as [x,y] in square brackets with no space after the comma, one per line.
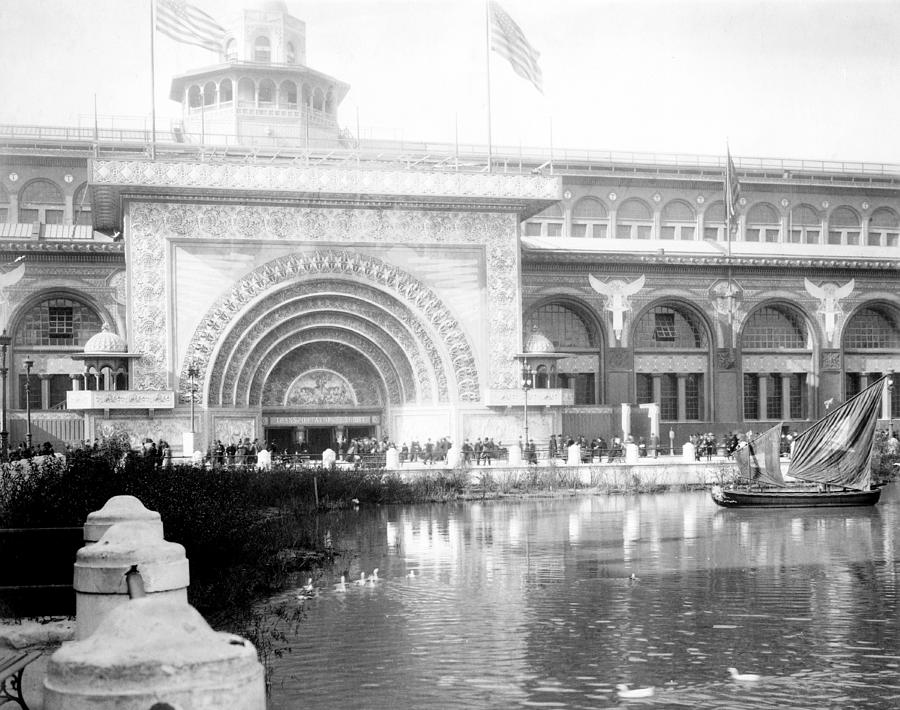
[532,604]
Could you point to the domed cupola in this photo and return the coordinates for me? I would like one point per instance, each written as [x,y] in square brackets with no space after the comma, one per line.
[538,343]
[105,343]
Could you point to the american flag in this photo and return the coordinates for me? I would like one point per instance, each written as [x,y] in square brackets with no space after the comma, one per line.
[508,40]
[732,193]
[188,24]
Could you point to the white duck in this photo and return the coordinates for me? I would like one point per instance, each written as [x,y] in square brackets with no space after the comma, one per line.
[372,578]
[743,677]
[342,585]
[308,590]
[361,581]
[626,692]
[412,572]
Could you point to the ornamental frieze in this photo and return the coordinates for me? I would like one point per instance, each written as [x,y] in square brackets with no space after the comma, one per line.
[292,178]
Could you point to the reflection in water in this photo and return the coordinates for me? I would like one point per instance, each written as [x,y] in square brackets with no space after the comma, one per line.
[552,603]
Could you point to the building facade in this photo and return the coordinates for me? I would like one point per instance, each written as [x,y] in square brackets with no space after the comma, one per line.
[273,277]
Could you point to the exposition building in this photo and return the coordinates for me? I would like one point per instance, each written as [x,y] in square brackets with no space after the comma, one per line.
[303,285]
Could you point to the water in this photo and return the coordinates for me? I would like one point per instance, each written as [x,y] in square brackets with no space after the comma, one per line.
[532,604]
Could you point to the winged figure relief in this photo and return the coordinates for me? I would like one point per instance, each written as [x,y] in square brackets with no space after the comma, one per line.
[617,292]
[829,296]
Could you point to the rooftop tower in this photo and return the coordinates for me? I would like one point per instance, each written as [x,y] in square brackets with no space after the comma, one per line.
[261,92]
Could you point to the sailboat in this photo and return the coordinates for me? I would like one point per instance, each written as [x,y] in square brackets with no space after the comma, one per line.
[834,454]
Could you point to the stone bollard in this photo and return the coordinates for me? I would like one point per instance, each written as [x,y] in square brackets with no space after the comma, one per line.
[688,453]
[119,509]
[155,653]
[631,453]
[101,568]
[392,459]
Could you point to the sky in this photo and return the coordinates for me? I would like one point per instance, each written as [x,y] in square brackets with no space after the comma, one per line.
[805,79]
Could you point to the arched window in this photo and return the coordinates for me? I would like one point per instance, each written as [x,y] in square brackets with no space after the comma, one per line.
[775,328]
[548,223]
[226,91]
[678,221]
[246,91]
[58,321]
[590,219]
[763,223]
[306,95]
[81,205]
[634,220]
[230,51]
[195,98]
[287,94]
[290,53]
[266,92]
[569,332]
[843,227]
[884,228]
[262,50]
[714,222]
[318,101]
[209,93]
[806,225]
[41,201]
[667,328]
[872,328]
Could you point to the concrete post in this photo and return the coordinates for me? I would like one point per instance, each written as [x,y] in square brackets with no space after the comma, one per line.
[119,509]
[155,653]
[100,581]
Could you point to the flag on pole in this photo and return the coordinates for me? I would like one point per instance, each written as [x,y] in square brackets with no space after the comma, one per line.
[187,23]
[732,193]
[508,40]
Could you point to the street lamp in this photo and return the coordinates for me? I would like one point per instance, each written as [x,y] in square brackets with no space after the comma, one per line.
[192,373]
[4,370]
[527,384]
[28,365]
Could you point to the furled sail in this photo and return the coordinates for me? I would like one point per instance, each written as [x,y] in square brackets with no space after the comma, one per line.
[760,459]
[837,449]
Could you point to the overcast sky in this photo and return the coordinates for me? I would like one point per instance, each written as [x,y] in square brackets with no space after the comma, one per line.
[817,79]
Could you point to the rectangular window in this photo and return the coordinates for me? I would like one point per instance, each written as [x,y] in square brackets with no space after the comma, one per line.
[83,217]
[874,239]
[798,396]
[812,236]
[773,396]
[664,330]
[752,235]
[692,396]
[668,407]
[61,324]
[711,233]
[796,236]
[59,385]
[623,231]
[687,232]
[28,216]
[852,384]
[644,388]
[598,231]
[667,232]
[34,396]
[579,230]
[4,214]
[890,239]
[584,388]
[751,396]
[532,229]
[554,229]
[834,237]
[53,216]
[852,238]
[771,235]
[644,231]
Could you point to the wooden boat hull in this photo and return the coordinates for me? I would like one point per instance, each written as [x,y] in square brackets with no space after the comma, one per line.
[732,498]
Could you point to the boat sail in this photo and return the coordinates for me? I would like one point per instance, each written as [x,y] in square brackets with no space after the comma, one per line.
[760,460]
[835,451]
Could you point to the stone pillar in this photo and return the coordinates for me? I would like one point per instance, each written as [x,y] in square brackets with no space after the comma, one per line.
[657,388]
[682,396]
[102,570]
[119,509]
[763,395]
[886,398]
[155,653]
[76,382]
[626,420]
[45,391]
[785,396]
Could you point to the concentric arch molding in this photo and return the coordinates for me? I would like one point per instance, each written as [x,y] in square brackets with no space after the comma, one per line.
[217,320]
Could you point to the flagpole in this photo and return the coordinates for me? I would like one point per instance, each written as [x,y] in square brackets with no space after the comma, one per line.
[487,61]
[152,84]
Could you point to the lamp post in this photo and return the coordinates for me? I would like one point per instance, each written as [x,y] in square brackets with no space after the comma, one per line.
[527,384]
[4,370]
[192,373]
[28,365]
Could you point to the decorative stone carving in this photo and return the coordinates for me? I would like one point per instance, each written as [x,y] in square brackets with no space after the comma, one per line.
[228,429]
[138,429]
[725,358]
[829,296]
[617,294]
[798,362]
[831,360]
[663,362]
[619,359]
[320,388]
